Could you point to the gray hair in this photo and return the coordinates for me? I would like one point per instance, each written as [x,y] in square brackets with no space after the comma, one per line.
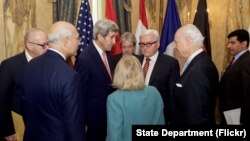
[103,27]
[128,36]
[194,33]
[153,32]
[60,34]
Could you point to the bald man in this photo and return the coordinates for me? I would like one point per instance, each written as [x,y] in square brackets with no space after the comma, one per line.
[36,43]
[51,101]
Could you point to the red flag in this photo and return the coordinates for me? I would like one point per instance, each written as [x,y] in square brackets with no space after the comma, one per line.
[142,12]
[110,14]
[141,26]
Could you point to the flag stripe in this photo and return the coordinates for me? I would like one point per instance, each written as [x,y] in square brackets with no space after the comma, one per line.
[110,14]
[141,26]
[171,24]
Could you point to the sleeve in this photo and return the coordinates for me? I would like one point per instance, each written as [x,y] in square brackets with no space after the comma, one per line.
[82,67]
[6,84]
[174,75]
[73,110]
[245,111]
[199,97]
[114,120]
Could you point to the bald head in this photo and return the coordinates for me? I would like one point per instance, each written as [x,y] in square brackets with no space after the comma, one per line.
[64,38]
[36,41]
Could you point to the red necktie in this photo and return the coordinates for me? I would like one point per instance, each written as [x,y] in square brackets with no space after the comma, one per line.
[104,59]
[146,66]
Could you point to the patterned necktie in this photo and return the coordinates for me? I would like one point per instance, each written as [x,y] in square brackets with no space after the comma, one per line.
[146,66]
[104,59]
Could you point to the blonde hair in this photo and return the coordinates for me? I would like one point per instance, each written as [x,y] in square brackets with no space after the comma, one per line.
[128,74]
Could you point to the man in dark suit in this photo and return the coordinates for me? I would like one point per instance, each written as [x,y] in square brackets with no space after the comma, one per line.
[235,82]
[195,93]
[163,70]
[95,69]
[51,98]
[128,42]
[36,43]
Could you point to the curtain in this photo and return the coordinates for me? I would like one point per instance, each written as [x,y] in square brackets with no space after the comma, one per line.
[123,14]
[65,10]
[19,15]
[238,16]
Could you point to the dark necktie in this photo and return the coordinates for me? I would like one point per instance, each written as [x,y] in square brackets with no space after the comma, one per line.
[230,64]
[145,67]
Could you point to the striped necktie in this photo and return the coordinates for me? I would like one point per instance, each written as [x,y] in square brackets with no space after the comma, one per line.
[145,67]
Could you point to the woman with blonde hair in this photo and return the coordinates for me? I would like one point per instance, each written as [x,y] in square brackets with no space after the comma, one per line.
[133,102]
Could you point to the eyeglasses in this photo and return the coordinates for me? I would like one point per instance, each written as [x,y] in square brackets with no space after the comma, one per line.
[42,45]
[149,44]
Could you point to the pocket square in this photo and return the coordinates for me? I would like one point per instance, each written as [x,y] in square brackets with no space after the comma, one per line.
[178,85]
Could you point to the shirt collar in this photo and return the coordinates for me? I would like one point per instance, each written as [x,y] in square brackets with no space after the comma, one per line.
[28,56]
[52,49]
[99,50]
[191,57]
[154,57]
[239,54]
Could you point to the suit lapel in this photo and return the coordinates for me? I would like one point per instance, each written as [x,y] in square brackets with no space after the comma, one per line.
[195,59]
[156,68]
[23,58]
[98,60]
[234,66]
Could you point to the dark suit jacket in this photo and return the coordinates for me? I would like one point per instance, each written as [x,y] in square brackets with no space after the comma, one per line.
[235,88]
[195,94]
[10,74]
[164,76]
[51,101]
[116,58]
[96,85]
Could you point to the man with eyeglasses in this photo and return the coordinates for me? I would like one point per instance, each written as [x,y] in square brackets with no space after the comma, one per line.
[36,43]
[161,71]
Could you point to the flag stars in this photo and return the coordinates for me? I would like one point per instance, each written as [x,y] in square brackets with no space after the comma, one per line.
[84,25]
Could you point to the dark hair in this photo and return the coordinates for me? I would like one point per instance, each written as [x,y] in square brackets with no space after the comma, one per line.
[241,34]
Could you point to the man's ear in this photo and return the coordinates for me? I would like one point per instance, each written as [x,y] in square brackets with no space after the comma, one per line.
[28,46]
[65,41]
[244,44]
[188,40]
[100,37]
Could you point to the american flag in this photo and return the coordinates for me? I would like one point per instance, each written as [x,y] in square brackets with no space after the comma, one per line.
[84,26]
